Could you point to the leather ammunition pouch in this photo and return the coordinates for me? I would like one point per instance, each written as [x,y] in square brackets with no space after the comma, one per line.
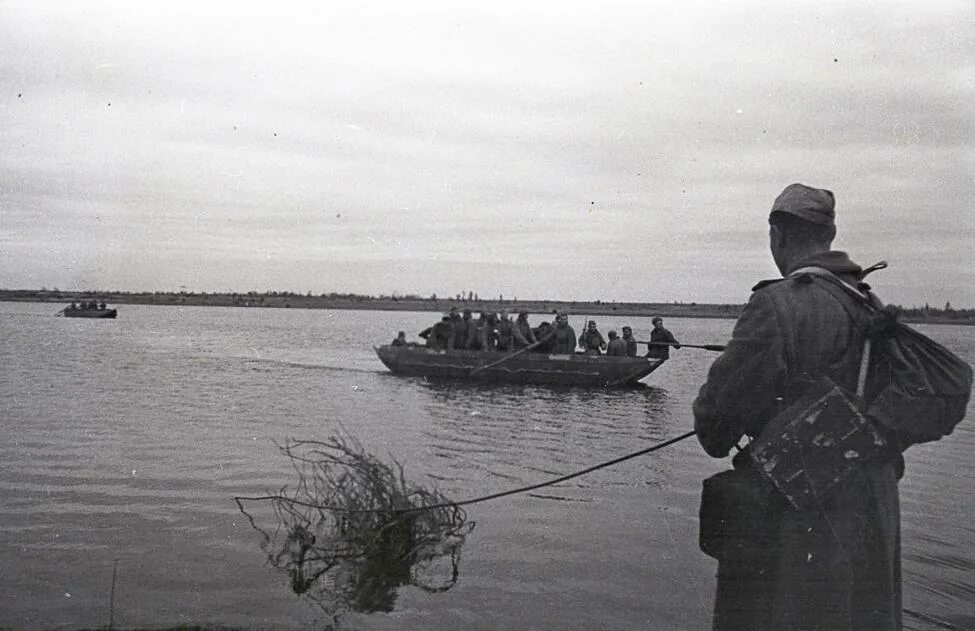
[737,514]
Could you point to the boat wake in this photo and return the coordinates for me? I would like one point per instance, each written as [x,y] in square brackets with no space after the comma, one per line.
[559,498]
[263,362]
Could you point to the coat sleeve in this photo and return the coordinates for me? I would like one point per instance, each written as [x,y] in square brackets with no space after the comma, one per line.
[673,340]
[518,335]
[743,384]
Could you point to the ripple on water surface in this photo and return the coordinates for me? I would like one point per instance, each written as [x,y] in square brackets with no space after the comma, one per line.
[129,439]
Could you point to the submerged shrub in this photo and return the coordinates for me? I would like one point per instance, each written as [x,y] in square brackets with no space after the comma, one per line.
[353,529]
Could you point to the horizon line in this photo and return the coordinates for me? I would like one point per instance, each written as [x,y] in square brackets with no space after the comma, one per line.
[415,297]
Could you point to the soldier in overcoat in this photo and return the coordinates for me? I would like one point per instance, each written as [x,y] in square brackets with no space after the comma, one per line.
[836,566]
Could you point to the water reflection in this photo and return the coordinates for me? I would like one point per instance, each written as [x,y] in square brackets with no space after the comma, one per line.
[365,578]
[451,394]
[174,400]
[504,436]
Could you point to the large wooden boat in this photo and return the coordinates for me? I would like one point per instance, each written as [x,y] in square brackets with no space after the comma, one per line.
[89,313]
[535,368]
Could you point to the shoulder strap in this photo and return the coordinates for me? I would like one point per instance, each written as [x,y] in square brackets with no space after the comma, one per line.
[765,283]
[864,366]
[861,292]
[835,283]
[824,273]
[843,292]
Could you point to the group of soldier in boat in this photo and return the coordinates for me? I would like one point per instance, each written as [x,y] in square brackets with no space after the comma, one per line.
[498,332]
[86,306]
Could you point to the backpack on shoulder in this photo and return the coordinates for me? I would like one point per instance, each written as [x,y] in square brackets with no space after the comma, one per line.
[918,392]
[920,388]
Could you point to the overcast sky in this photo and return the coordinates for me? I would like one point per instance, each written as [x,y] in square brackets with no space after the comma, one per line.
[537,150]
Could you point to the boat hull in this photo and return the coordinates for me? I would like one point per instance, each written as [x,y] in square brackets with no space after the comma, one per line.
[90,313]
[527,368]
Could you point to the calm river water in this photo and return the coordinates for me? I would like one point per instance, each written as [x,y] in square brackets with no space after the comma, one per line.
[123,442]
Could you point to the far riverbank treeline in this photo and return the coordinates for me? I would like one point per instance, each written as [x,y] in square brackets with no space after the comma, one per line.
[291,300]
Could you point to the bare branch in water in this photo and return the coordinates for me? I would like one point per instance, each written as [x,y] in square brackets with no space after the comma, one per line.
[353,529]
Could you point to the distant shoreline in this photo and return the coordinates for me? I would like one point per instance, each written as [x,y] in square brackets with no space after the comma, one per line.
[435,305]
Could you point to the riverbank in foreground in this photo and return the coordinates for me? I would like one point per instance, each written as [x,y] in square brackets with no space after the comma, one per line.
[287,300]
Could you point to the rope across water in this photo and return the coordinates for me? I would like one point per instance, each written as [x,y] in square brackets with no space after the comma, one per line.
[483,498]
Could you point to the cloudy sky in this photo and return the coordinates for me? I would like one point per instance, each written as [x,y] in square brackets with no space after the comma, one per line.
[567,150]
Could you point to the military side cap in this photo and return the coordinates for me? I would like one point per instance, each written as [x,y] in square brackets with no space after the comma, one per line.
[815,205]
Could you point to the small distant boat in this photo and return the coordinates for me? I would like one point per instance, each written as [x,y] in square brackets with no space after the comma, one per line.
[88,312]
[577,369]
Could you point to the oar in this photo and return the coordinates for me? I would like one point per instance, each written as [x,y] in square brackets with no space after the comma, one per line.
[707,347]
[508,356]
[61,312]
